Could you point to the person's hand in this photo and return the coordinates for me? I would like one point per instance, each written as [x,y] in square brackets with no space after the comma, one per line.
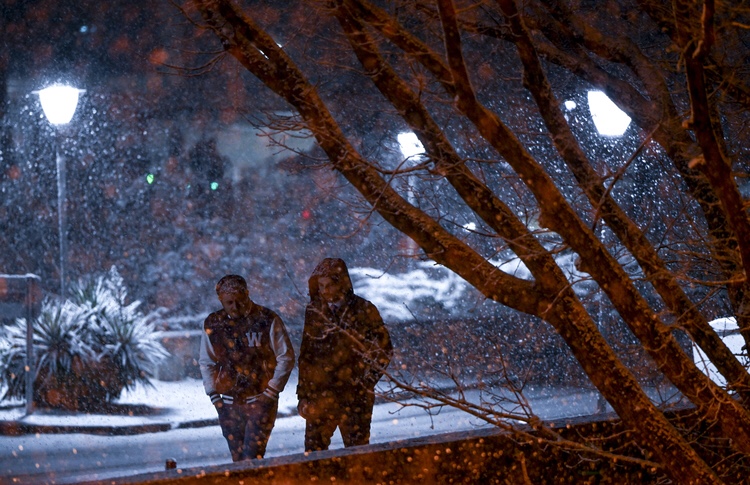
[268,397]
[302,408]
[216,400]
[266,400]
[306,409]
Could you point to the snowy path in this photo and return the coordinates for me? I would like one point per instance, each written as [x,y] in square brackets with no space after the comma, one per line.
[70,458]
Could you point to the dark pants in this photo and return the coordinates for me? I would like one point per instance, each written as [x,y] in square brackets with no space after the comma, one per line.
[353,418]
[247,427]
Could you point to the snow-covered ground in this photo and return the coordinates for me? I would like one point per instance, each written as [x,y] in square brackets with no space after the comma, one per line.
[191,436]
[729,332]
[172,402]
[74,457]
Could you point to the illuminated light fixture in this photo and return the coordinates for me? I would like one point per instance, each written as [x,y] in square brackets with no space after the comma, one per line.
[608,118]
[59,103]
[409,144]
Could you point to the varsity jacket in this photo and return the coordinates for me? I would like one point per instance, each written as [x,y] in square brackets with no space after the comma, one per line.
[245,357]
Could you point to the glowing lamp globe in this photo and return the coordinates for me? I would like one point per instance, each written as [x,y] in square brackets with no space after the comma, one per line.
[409,144]
[59,103]
[608,118]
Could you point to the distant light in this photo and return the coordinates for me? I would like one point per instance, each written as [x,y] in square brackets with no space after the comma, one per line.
[214,185]
[14,172]
[608,118]
[409,144]
[306,214]
[84,29]
[570,105]
[470,226]
[150,178]
[59,103]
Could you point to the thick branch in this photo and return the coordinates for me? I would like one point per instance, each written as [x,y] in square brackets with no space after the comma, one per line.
[245,41]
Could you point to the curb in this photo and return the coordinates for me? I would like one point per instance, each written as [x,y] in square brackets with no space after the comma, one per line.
[18,428]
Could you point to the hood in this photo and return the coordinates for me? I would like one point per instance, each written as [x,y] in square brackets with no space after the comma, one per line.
[333,268]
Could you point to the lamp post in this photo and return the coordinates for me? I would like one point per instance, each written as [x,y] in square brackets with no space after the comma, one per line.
[412,150]
[59,104]
[609,120]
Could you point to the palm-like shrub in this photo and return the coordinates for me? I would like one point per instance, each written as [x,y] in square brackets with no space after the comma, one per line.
[87,349]
[60,351]
[123,337]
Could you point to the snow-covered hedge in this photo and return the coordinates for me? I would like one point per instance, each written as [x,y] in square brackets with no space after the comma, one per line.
[87,349]
[400,296]
[729,332]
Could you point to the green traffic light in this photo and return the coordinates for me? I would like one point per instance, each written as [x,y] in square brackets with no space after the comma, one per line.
[150,178]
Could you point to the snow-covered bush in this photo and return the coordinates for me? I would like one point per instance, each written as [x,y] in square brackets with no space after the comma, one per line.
[87,349]
[400,296]
[729,332]
[60,350]
[429,288]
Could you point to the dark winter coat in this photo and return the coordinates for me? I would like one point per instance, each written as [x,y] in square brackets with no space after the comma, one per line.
[345,351]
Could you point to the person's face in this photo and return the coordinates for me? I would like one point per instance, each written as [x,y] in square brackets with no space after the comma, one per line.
[236,304]
[330,290]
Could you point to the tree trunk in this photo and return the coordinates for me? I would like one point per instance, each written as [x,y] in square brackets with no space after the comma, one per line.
[549,295]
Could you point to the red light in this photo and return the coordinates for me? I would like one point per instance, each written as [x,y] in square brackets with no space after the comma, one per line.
[306,214]
[14,172]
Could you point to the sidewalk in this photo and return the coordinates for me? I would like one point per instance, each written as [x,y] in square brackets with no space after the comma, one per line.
[166,406]
[173,405]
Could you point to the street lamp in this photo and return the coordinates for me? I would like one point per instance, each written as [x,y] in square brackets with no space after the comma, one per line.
[608,118]
[412,149]
[59,103]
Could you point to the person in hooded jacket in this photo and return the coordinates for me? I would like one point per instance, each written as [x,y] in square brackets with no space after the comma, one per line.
[345,349]
[246,358]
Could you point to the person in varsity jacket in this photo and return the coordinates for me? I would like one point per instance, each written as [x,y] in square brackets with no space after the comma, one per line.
[245,361]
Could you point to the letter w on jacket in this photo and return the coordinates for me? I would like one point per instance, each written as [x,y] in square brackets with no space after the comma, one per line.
[253,339]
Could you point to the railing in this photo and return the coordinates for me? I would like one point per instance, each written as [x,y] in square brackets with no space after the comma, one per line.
[21,297]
